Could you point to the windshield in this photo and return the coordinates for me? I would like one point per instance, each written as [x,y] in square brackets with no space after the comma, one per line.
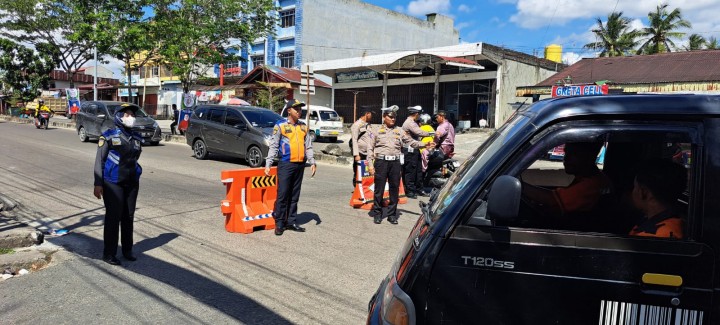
[139,113]
[262,118]
[329,116]
[475,165]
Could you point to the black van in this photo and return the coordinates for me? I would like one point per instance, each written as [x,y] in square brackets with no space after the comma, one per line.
[480,254]
[95,117]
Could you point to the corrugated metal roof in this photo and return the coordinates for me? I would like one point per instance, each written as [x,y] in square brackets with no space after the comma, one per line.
[284,74]
[658,68]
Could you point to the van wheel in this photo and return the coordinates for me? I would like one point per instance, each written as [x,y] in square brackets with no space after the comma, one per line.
[82,134]
[332,139]
[254,157]
[200,149]
[313,136]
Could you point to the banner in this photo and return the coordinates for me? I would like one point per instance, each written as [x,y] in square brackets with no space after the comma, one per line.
[579,90]
[184,115]
[73,98]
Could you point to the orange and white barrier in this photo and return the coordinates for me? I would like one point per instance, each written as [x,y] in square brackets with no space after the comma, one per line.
[363,196]
[250,199]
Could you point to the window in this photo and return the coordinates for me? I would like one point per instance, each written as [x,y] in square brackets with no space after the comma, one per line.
[216,115]
[287,18]
[593,184]
[313,115]
[200,113]
[155,71]
[329,116]
[257,60]
[233,118]
[287,59]
[262,118]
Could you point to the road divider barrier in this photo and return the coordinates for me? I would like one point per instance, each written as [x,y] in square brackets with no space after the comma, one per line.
[363,196]
[249,200]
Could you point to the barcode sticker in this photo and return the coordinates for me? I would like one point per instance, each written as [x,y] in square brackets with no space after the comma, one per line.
[625,313]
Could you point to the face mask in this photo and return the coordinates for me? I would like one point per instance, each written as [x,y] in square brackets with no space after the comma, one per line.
[128,121]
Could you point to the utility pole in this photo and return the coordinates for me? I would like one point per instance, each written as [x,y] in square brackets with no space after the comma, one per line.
[355,93]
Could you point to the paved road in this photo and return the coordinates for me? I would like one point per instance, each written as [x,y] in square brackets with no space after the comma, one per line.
[189,269]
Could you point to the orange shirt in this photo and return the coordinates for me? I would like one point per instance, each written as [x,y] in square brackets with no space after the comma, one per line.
[663,225]
[583,193]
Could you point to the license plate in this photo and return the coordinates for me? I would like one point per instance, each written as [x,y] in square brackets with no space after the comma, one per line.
[334,132]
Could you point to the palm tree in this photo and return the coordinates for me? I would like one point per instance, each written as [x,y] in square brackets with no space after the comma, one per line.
[695,42]
[616,37]
[712,43]
[662,30]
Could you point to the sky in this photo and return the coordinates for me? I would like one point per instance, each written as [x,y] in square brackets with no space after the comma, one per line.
[530,25]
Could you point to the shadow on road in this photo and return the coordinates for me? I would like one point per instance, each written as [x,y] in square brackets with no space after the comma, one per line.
[202,289]
[306,217]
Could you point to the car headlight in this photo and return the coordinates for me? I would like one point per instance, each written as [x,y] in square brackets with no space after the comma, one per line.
[397,307]
[268,138]
[156,125]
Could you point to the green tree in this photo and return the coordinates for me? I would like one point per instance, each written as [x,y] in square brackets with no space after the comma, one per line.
[663,28]
[616,38]
[712,43]
[695,42]
[25,70]
[54,23]
[196,34]
[271,96]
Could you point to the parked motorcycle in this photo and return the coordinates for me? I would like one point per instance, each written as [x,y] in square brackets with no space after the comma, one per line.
[439,169]
[42,120]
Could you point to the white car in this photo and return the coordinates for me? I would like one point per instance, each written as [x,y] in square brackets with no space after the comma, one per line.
[324,122]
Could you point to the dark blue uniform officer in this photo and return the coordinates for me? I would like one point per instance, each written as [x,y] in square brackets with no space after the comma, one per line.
[117,180]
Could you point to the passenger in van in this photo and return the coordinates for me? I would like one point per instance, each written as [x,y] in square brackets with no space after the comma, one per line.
[583,193]
[658,185]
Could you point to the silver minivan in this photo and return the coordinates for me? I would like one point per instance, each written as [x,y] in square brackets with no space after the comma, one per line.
[95,117]
[238,131]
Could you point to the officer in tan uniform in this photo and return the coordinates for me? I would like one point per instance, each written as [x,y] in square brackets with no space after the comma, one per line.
[384,160]
[362,134]
[412,171]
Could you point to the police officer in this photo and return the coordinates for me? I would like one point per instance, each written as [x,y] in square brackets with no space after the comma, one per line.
[384,157]
[361,132]
[117,179]
[290,136]
[412,173]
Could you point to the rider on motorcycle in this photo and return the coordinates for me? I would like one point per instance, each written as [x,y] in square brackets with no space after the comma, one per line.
[42,107]
[424,120]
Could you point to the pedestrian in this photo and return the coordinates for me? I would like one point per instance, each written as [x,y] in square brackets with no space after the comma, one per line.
[117,181]
[384,158]
[174,123]
[361,132]
[290,138]
[412,171]
[445,135]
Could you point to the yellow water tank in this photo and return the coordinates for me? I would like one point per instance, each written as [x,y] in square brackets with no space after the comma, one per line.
[553,52]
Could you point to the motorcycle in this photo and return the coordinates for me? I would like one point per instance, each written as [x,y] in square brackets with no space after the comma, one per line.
[439,169]
[42,120]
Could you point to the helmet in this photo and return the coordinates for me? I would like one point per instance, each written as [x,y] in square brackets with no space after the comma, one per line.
[424,119]
[41,102]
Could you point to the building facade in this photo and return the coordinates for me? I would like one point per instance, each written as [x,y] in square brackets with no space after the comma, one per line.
[320,30]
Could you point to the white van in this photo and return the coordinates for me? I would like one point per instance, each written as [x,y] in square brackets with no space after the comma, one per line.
[324,122]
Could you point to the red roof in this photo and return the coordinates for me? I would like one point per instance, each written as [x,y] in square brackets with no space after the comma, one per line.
[284,74]
[459,60]
[690,66]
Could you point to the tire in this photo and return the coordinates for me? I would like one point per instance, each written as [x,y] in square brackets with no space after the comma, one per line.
[254,157]
[313,136]
[154,143]
[200,149]
[82,134]
[46,124]
[332,139]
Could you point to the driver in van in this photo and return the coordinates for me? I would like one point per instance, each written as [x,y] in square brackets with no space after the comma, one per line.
[583,193]
[658,185]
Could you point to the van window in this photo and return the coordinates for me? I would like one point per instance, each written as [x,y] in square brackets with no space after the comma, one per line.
[314,115]
[262,118]
[139,113]
[329,116]
[201,113]
[87,108]
[595,185]
[233,118]
[216,115]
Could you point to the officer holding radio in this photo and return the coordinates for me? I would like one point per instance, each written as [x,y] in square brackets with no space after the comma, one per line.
[384,154]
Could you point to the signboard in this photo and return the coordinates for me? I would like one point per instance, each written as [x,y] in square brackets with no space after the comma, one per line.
[307,80]
[73,98]
[184,114]
[357,76]
[579,90]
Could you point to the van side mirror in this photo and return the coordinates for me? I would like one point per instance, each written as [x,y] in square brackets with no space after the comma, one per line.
[504,198]
[240,126]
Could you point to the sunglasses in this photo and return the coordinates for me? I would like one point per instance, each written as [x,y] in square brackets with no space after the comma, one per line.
[390,117]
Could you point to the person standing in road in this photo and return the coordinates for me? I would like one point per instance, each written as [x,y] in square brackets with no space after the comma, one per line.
[117,181]
[295,146]
[176,114]
[384,160]
[361,132]
[445,135]
[412,171]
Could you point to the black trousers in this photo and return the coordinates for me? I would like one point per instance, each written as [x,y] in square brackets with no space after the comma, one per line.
[290,175]
[386,171]
[412,171]
[172,126]
[355,167]
[119,214]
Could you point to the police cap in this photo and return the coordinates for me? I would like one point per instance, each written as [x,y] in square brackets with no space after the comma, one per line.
[294,103]
[415,109]
[392,110]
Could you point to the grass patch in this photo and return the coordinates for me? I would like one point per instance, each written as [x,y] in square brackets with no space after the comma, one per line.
[6,251]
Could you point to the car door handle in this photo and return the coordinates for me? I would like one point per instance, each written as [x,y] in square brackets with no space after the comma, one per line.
[662,279]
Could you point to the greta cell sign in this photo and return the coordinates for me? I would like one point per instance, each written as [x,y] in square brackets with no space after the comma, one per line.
[579,90]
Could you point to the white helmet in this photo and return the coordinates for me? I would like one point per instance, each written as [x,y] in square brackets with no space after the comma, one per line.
[424,119]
